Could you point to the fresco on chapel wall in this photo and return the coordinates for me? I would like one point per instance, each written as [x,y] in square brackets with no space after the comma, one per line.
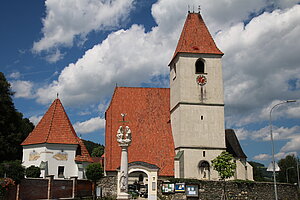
[61,156]
[34,156]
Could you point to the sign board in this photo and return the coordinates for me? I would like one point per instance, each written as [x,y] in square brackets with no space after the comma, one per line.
[192,190]
[168,187]
[179,187]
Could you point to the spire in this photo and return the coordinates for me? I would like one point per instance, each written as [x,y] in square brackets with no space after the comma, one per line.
[195,37]
[54,127]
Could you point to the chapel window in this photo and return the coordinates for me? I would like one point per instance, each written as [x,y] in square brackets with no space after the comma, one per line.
[199,65]
[61,170]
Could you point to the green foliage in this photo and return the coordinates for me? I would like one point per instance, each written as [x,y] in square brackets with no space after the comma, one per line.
[98,151]
[94,172]
[33,172]
[13,170]
[288,163]
[91,146]
[260,172]
[224,165]
[13,127]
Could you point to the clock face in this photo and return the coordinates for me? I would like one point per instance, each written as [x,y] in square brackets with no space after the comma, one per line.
[201,80]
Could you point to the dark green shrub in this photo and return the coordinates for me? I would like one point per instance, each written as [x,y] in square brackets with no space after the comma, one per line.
[33,172]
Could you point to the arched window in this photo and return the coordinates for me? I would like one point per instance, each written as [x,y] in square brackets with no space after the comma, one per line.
[199,65]
[203,164]
[204,169]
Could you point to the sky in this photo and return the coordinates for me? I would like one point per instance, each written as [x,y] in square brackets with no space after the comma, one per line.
[82,49]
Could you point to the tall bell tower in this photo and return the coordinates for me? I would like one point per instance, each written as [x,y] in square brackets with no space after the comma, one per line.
[196,101]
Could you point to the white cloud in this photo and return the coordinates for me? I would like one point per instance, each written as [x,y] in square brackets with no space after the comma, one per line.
[262,156]
[90,125]
[127,57]
[260,59]
[55,56]
[293,144]
[241,133]
[15,75]
[35,119]
[22,89]
[70,20]
[279,133]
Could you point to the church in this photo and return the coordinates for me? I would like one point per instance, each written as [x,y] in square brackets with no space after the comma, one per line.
[176,131]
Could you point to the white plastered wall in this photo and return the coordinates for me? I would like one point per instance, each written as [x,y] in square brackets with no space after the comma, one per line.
[56,155]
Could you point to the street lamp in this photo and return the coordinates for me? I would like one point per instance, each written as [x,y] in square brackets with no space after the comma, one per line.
[287,174]
[298,172]
[273,149]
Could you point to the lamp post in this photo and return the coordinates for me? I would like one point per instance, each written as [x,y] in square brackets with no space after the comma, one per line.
[287,174]
[298,172]
[273,149]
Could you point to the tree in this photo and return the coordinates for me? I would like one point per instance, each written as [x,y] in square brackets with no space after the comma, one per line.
[94,172]
[91,146]
[260,172]
[288,167]
[98,151]
[13,170]
[13,127]
[33,172]
[225,166]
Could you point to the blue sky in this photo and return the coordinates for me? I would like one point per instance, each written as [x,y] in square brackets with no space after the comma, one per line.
[82,49]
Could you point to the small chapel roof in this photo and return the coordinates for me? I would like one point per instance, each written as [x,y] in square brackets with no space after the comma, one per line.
[56,128]
[232,144]
[195,37]
[148,116]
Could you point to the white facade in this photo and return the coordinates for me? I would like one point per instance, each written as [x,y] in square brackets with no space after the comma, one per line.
[197,115]
[54,159]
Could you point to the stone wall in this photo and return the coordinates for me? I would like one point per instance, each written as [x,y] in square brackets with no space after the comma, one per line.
[210,190]
[108,185]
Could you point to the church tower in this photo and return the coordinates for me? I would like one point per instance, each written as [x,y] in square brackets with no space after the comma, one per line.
[196,101]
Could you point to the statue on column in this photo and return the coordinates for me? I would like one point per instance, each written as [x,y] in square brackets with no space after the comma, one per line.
[124,140]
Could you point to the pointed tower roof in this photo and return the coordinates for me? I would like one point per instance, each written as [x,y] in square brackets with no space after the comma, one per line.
[56,128]
[195,37]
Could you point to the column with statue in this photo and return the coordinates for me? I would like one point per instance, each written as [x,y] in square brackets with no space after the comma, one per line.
[124,140]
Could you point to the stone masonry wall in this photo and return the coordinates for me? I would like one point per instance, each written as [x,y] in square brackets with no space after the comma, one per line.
[210,190]
[108,185]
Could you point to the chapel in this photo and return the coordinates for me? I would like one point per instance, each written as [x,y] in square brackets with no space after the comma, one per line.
[54,146]
[176,131]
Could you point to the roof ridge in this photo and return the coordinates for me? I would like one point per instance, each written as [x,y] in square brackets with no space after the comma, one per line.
[51,122]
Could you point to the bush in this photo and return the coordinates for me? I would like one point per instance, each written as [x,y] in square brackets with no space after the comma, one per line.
[94,172]
[33,172]
[13,170]
[4,185]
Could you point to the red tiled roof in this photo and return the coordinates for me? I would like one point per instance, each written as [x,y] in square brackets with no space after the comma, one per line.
[195,37]
[84,155]
[148,116]
[56,128]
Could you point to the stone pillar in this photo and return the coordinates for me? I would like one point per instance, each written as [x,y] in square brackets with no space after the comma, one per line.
[50,183]
[124,140]
[74,186]
[123,175]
